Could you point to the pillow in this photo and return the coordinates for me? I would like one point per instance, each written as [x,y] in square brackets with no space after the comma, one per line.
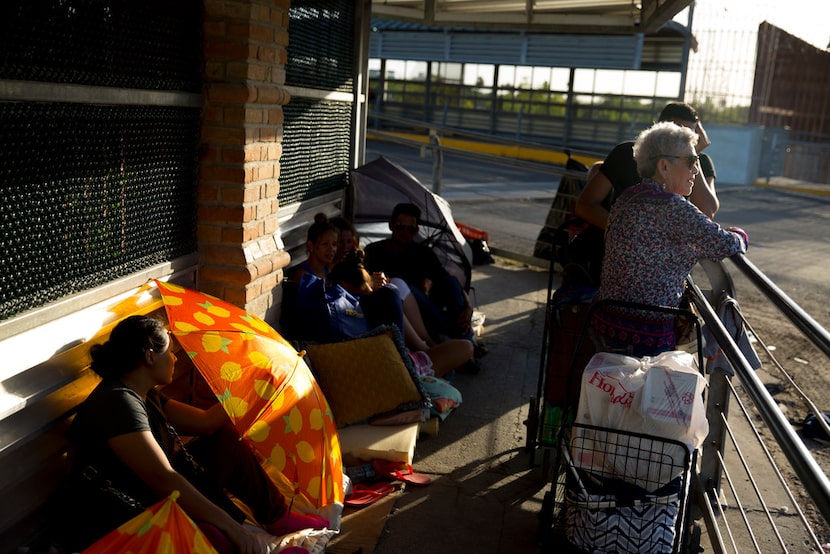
[366,376]
[444,397]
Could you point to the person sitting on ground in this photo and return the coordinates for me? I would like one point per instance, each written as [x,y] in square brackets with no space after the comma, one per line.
[654,237]
[450,355]
[444,305]
[125,450]
[322,312]
[347,241]
[321,244]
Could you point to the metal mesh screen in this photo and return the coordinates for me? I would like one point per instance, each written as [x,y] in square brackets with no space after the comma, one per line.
[321,48]
[317,133]
[151,44]
[89,194]
[316,149]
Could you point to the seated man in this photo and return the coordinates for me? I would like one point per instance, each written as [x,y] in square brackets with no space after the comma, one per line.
[445,307]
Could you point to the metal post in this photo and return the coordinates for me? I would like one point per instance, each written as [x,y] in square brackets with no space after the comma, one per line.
[437,160]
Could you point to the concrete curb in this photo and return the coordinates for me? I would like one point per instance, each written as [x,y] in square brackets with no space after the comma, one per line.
[523,258]
[792,185]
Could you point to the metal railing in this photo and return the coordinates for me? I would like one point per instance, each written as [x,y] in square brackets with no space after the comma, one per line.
[739,474]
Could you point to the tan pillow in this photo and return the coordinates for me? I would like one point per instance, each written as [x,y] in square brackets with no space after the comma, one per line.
[363,377]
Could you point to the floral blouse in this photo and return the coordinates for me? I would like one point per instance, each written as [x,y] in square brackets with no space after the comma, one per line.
[653,241]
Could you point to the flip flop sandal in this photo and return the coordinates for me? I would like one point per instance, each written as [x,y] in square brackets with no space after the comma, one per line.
[363,495]
[401,472]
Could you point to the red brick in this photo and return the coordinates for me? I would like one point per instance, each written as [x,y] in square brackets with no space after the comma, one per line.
[238,30]
[233,154]
[271,224]
[263,266]
[269,133]
[281,37]
[231,93]
[223,254]
[224,9]
[221,214]
[223,135]
[270,94]
[254,152]
[254,115]
[226,50]
[263,33]
[213,289]
[233,114]
[252,193]
[269,281]
[263,210]
[275,116]
[209,154]
[281,259]
[214,28]
[239,275]
[207,193]
[272,188]
[233,235]
[231,195]
[223,174]
[274,151]
[238,296]
[252,133]
[251,232]
[266,170]
[208,233]
[266,53]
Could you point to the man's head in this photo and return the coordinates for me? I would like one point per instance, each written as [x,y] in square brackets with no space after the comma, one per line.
[684,115]
[680,113]
[404,222]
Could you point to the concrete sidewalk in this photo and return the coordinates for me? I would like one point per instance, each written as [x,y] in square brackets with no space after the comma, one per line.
[485,495]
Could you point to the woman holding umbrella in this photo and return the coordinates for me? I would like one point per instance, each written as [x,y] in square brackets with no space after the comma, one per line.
[128,455]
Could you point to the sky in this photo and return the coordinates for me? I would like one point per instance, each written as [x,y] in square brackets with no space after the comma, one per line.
[806,19]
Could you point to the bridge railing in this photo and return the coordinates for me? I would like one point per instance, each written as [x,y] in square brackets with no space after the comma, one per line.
[753,493]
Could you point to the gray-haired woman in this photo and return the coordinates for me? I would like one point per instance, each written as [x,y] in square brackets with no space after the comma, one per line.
[655,237]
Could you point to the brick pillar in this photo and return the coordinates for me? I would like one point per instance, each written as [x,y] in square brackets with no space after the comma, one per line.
[245,53]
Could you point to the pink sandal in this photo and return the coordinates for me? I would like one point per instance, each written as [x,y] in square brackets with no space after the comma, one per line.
[363,495]
[400,471]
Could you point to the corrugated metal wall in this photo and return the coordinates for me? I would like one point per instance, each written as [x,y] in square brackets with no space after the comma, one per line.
[609,52]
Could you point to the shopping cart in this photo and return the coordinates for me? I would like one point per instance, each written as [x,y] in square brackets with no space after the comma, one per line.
[566,311]
[595,509]
[613,490]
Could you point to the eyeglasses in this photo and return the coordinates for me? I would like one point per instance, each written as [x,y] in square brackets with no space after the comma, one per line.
[691,161]
[412,229]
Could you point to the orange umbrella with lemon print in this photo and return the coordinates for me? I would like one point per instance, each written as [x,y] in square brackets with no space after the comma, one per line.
[162,528]
[265,387]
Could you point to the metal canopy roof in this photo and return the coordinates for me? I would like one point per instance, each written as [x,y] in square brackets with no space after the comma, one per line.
[556,16]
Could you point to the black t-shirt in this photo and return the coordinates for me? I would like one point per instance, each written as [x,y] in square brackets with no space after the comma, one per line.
[111,410]
[89,511]
[413,263]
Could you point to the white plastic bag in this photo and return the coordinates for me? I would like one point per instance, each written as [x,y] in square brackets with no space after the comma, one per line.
[660,396]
